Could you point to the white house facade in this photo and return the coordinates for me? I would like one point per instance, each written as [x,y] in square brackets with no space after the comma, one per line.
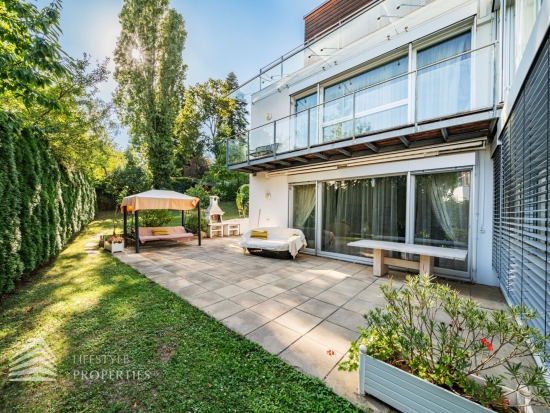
[421,122]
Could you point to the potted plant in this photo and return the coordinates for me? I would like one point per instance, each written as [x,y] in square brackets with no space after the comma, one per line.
[429,349]
[114,243]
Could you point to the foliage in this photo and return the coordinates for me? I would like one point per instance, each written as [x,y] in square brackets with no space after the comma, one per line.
[191,221]
[155,217]
[182,183]
[42,204]
[197,167]
[130,178]
[30,56]
[199,192]
[150,74]
[95,304]
[243,199]
[52,94]
[79,130]
[443,338]
[208,117]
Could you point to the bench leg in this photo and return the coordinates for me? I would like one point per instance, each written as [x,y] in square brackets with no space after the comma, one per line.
[379,269]
[426,265]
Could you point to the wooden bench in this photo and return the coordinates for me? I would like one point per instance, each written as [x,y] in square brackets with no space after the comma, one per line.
[427,254]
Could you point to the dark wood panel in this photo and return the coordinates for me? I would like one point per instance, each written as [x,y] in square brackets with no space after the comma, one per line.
[330,13]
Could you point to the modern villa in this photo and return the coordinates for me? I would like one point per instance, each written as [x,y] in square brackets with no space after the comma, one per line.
[421,122]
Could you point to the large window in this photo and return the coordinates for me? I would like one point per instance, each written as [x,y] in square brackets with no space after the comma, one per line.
[371,208]
[303,211]
[444,88]
[378,104]
[442,213]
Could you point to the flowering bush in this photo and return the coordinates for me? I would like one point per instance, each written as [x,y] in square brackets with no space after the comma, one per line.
[116,240]
[430,331]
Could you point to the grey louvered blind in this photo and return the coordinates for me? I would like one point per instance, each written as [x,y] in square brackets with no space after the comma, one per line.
[521,175]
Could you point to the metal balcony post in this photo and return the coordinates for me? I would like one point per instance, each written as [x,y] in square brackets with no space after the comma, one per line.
[274,151]
[353,114]
[248,147]
[308,127]
[226,153]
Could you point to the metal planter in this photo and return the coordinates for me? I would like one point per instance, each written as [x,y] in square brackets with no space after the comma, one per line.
[411,394]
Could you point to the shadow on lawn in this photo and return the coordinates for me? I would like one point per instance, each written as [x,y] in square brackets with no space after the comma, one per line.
[150,349]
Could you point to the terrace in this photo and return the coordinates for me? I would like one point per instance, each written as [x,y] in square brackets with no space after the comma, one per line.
[306,311]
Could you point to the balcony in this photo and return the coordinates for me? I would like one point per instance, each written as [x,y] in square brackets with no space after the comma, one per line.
[449,100]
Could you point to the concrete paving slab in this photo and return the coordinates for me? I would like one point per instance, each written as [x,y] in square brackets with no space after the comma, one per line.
[274,337]
[223,309]
[308,290]
[245,322]
[269,290]
[291,298]
[206,299]
[250,284]
[310,357]
[248,299]
[333,336]
[271,309]
[317,308]
[347,319]
[230,291]
[332,298]
[299,321]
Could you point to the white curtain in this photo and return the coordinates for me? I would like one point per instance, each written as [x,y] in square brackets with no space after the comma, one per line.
[304,202]
[444,88]
[372,208]
[450,214]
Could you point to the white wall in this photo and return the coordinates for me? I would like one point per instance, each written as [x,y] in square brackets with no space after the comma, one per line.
[271,212]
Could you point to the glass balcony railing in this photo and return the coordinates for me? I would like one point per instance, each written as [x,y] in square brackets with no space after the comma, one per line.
[458,84]
[330,43]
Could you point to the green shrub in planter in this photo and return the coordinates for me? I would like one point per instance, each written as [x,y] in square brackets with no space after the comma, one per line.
[432,332]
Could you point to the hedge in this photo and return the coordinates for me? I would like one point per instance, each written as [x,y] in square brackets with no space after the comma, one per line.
[42,204]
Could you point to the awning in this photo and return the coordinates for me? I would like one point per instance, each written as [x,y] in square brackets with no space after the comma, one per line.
[159,199]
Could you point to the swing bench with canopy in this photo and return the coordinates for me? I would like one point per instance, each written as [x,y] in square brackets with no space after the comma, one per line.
[160,199]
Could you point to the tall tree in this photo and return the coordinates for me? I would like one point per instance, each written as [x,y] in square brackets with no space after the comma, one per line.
[208,117]
[150,74]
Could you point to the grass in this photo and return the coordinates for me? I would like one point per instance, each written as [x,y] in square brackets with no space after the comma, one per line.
[229,207]
[94,305]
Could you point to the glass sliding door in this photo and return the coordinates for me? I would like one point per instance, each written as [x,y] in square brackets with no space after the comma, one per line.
[370,208]
[303,211]
[442,214]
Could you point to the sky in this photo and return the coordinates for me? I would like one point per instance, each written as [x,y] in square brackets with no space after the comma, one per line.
[222,35]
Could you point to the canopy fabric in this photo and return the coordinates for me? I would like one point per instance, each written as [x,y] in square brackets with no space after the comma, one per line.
[159,199]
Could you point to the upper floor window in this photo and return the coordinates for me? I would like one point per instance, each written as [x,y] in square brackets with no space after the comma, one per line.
[389,70]
[444,88]
[305,103]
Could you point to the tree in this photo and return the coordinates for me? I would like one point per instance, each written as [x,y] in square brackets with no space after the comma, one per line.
[206,120]
[30,55]
[150,74]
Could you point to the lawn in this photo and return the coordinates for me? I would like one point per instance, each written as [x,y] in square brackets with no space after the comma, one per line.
[172,356]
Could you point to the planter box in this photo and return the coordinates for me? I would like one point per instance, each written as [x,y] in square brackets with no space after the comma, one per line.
[409,393]
[114,247]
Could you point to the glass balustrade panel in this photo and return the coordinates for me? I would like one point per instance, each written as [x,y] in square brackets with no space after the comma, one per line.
[262,141]
[382,106]
[236,148]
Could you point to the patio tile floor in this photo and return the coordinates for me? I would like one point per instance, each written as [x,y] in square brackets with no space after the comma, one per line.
[296,309]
